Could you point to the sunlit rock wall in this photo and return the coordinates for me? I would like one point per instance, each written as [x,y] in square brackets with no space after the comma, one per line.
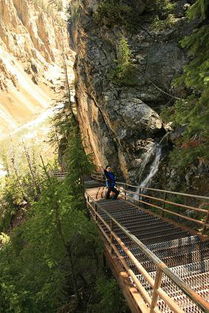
[33,40]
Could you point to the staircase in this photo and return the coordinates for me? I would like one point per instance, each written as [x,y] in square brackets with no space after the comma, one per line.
[166,262]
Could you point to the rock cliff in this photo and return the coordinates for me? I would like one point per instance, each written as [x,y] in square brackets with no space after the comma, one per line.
[33,38]
[119,122]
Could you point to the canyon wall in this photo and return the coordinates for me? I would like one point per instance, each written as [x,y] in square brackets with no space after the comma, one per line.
[33,40]
[120,122]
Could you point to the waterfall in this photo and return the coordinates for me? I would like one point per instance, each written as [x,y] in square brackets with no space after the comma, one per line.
[154,149]
[154,167]
[148,154]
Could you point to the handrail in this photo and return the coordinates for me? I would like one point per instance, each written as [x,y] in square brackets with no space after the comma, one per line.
[163,202]
[169,202]
[158,262]
[204,223]
[100,176]
[176,204]
[141,269]
[166,191]
[173,213]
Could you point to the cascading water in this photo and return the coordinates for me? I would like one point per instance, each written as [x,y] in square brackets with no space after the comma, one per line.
[148,154]
[155,149]
[154,167]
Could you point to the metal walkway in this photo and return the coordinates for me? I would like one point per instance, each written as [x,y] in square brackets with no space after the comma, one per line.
[165,263]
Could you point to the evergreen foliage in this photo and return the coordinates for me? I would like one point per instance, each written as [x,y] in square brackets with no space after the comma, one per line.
[20,187]
[54,258]
[11,200]
[128,14]
[193,112]
[51,257]
[161,24]
[61,123]
[124,72]
[52,261]
[199,10]
[118,12]
[161,7]
[163,14]
[77,163]
[109,298]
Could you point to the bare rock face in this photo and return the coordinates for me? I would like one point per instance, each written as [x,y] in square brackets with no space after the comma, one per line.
[118,123]
[32,43]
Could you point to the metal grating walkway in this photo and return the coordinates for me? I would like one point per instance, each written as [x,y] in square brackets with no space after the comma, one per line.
[186,255]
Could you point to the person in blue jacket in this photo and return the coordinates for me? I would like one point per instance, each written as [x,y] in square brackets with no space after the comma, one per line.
[110,182]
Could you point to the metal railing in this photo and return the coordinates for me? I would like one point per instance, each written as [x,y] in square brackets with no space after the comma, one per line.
[113,243]
[193,209]
[181,207]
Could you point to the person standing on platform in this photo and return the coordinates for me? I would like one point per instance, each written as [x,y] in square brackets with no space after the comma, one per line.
[110,183]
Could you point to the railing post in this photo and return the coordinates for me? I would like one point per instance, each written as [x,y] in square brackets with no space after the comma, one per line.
[206,221]
[164,198]
[125,193]
[87,202]
[96,209]
[97,194]
[102,193]
[140,193]
[140,198]
[111,236]
[158,279]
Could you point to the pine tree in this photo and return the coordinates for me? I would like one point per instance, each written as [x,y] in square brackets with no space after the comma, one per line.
[193,111]
[79,166]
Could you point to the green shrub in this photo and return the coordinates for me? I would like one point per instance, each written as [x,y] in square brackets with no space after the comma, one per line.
[161,24]
[114,12]
[124,72]
[199,9]
[161,6]
[163,14]
[108,297]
